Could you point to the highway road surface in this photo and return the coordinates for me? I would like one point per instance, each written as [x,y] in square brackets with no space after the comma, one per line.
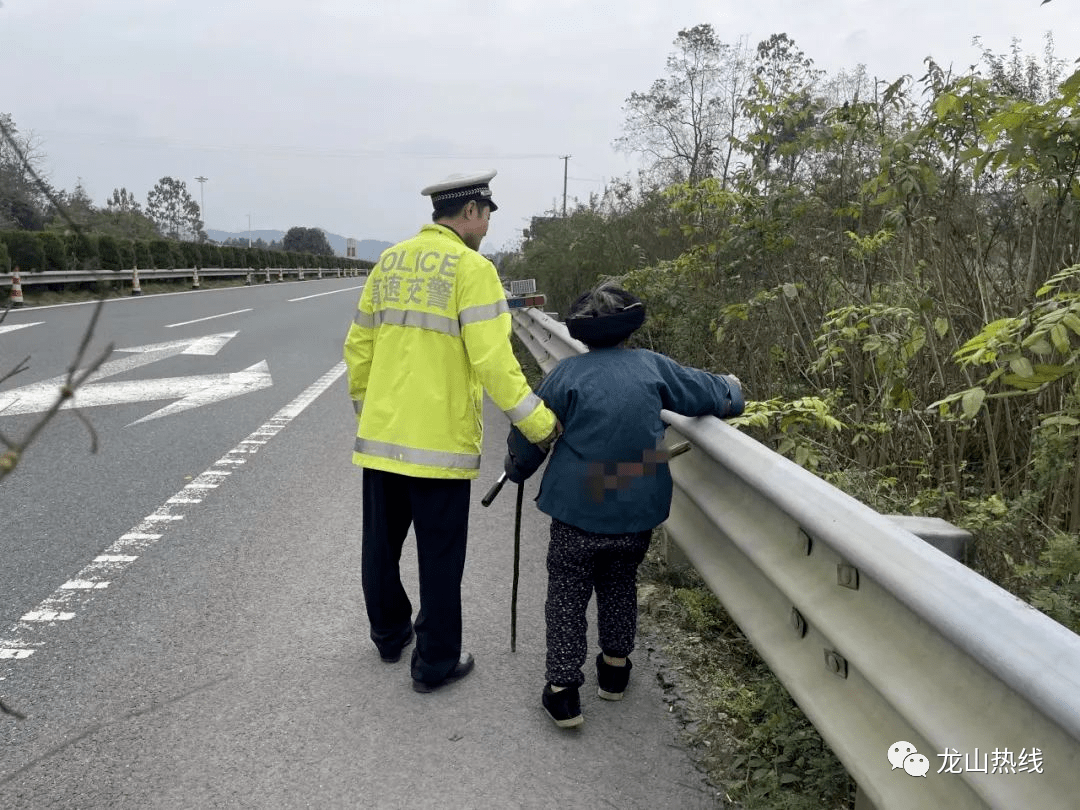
[181,620]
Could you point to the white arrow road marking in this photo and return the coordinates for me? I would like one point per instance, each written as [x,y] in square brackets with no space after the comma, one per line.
[34,628]
[208,345]
[11,327]
[195,390]
[207,389]
[142,356]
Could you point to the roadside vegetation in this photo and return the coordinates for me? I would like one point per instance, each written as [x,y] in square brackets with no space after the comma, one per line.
[43,228]
[893,270]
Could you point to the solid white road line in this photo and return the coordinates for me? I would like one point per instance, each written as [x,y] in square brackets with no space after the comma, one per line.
[32,630]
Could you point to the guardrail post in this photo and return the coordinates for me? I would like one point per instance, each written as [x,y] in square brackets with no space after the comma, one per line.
[862,802]
[136,289]
[674,557]
[280,274]
[267,276]
[939,533]
[195,278]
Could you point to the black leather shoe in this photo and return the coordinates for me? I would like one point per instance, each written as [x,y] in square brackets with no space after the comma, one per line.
[393,658]
[463,667]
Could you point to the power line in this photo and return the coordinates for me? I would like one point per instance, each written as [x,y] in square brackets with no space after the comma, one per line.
[178,143]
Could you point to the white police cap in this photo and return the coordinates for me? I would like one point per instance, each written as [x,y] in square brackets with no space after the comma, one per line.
[460,188]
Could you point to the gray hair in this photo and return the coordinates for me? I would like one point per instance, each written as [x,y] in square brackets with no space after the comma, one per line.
[605,298]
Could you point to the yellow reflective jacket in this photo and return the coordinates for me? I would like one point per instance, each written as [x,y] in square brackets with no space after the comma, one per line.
[431,333]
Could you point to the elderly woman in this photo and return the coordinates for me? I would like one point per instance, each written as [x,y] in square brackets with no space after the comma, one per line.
[607,485]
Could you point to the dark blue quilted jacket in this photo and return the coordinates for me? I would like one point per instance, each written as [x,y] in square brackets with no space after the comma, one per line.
[606,473]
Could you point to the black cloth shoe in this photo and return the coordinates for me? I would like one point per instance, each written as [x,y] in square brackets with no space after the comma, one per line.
[612,681]
[394,657]
[463,667]
[564,706]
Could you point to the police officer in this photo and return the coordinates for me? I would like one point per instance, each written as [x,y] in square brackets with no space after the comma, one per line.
[431,334]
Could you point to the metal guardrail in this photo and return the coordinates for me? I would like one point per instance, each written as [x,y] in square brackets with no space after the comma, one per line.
[878,636]
[264,274]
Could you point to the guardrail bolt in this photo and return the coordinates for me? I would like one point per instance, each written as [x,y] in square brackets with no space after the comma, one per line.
[836,663]
[798,623]
[847,576]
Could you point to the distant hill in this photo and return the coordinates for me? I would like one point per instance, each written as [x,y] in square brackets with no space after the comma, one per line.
[367,249]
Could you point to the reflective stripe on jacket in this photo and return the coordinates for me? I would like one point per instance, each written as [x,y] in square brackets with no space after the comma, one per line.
[431,334]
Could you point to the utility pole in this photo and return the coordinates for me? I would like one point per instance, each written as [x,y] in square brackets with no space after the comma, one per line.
[202,203]
[565,163]
[249,230]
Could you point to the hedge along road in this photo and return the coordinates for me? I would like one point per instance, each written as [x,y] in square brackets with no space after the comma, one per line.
[216,651]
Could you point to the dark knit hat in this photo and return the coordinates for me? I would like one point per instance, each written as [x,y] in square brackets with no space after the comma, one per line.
[605,317]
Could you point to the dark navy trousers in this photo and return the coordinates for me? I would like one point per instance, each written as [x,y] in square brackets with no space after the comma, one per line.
[581,562]
[438,511]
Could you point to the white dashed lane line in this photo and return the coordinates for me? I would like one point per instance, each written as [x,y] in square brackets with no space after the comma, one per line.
[11,327]
[33,629]
[207,318]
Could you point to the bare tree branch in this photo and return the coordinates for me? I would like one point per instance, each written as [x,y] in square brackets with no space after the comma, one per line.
[76,373]
[8,710]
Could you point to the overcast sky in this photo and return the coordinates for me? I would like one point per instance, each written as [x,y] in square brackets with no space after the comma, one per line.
[335,113]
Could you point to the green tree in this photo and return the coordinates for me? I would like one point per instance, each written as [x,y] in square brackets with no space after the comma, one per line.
[126,251]
[211,255]
[782,105]
[82,251]
[163,255]
[144,257]
[22,199]
[683,123]
[24,250]
[307,240]
[123,217]
[54,251]
[1023,76]
[78,210]
[109,253]
[190,254]
[173,210]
